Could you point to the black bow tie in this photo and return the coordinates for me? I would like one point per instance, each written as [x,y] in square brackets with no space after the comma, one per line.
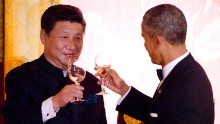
[160,74]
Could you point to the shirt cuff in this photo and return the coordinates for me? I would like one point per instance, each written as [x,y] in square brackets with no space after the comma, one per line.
[47,110]
[122,98]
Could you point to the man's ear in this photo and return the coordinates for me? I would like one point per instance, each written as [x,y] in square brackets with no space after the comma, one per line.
[42,36]
[159,40]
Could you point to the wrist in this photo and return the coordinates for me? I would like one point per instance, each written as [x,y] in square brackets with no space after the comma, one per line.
[55,105]
[124,88]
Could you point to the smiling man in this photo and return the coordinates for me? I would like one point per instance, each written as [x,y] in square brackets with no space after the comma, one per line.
[39,91]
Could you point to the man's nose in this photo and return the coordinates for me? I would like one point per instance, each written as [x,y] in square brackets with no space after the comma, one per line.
[71,45]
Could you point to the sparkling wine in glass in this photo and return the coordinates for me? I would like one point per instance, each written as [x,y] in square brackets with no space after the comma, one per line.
[76,73]
[101,62]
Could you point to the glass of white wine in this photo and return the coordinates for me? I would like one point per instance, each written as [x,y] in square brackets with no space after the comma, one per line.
[101,62]
[76,73]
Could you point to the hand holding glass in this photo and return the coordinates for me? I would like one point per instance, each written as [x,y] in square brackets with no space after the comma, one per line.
[101,62]
[76,73]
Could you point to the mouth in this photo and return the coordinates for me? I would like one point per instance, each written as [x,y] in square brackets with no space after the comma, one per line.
[71,55]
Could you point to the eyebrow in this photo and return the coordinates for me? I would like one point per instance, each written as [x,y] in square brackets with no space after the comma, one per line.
[63,31]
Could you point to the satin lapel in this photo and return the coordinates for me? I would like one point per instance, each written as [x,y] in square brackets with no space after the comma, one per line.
[168,80]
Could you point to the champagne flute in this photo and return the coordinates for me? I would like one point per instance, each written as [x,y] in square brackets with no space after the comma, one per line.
[76,73]
[101,62]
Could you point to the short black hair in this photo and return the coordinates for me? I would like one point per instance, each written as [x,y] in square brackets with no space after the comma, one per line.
[168,21]
[61,13]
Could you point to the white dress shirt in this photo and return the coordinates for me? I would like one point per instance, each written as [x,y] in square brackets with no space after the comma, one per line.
[165,71]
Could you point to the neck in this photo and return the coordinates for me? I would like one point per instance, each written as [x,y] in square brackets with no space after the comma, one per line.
[173,53]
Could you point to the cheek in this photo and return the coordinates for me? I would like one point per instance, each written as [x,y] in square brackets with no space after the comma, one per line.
[79,46]
[61,43]
[146,45]
[52,43]
[58,46]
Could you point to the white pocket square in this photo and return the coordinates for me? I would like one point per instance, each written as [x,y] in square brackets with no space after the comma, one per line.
[154,115]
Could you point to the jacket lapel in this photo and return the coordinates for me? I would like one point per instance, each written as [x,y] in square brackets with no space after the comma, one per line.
[168,80]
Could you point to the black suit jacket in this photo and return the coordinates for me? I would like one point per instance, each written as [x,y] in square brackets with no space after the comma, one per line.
[185,97]
[28,85]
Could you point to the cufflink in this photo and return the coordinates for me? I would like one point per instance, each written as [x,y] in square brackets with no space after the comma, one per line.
[154,115]
[160,91]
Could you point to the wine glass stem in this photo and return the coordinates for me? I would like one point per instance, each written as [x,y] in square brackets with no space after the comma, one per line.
[77,83]
[103,85]
[77,99]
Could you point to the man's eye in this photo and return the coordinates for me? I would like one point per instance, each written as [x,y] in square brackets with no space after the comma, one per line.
[77,38]
[64,37]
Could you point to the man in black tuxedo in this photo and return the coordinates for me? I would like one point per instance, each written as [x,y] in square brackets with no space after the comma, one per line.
[184,95]
[40,91]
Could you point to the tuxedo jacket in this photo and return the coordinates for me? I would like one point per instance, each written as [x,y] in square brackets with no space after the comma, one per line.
[28,85]
[184,97]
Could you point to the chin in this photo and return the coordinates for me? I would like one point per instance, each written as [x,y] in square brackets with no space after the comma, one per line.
[154,62]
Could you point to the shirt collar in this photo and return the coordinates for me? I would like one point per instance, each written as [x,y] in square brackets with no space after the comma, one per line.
[51,68]
[167,69]
[65,73]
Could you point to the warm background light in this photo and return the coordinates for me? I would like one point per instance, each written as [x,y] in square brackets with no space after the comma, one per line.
[113,26]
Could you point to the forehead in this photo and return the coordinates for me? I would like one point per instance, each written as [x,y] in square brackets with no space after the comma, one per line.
[68,26]
[142,27]
[143,30]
